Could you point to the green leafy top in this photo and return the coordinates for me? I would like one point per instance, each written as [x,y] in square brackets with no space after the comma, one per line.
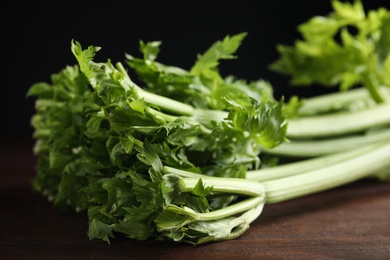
[103,142]
[201,86]
[346,48]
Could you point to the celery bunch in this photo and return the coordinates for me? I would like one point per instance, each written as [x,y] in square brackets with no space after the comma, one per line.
[192,156]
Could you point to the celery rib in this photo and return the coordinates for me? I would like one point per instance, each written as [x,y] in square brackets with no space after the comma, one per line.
[325,178]
[339,123]
[314,148]
[228,211]
[302,166]
[226,185]
[337,100]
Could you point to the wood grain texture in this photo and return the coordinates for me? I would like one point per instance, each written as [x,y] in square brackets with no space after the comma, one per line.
[350,222]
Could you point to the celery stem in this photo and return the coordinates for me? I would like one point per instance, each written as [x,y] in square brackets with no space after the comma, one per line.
[328,177]
[302,166]
[226,185]
[230,210]
[339,123]
[372,84]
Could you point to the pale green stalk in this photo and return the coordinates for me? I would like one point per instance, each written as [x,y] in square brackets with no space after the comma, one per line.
[301,178]
[364,165]
[371,82]
[228,211]
[339,123]
[225,185]
[314,148]
[229,228]
[302,166]
[178,108]
[337,100]
[223,224]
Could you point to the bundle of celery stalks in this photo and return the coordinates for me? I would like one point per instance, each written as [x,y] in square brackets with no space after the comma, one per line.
[192,156]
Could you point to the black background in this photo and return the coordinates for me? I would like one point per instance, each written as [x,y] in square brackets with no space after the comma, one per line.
[36,40]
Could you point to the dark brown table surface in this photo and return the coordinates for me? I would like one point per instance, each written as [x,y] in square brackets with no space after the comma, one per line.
[349,222]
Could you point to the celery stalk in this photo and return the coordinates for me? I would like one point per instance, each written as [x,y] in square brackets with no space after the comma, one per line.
[328,177]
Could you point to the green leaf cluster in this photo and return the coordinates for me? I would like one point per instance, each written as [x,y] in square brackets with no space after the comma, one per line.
[103,141]
[347,48]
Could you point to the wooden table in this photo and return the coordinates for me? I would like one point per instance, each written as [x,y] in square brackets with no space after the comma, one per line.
[350,222]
